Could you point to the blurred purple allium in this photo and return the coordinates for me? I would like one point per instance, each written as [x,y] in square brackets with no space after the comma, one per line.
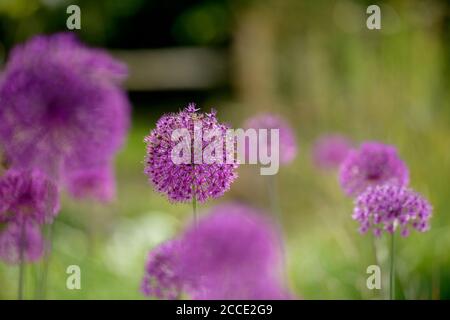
[330,150]
[372,164]
[388,207]
[12,241]
[288,142]
[181,181]
[61,105]
[161,279]
[95,183]
[27,195]
[232,253]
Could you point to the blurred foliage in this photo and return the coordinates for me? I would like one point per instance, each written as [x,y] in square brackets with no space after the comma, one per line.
[312,61]
[122,24]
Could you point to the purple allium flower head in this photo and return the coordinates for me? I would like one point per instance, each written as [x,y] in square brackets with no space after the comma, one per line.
[288,142]
[161,278]
[180,182]
[13,241]
[233,253]
[94,183]
[330,150]
[388,207]
[61,106]
[372,164]
[27,195]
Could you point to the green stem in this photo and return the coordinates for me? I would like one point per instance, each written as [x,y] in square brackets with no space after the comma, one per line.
[375,252]
[194,203]
[273,196]
[392,271]
[194,208]
[272,188]
[374,249]
[42,287]
[22,262]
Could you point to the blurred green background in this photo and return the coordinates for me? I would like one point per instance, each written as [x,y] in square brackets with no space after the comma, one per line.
[314,62]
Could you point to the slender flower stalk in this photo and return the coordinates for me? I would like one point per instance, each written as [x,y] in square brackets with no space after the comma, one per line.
[375,250]
[288,150]
[186,181]
[43,279]
[392,269]
[387,208]
[194,209]
[272,188]
[28,200]
[22,261]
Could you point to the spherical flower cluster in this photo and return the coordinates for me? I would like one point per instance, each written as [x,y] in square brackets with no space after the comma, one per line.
[27,195]
[28,199]
[287,142]
[184,181]
[372,164]
[94,183]
[388,207]
[161,279]
[17,243]
[330,151]
[233,253]
[61,106]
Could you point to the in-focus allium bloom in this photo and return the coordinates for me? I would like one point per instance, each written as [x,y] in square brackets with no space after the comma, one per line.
[181,181]
[388,207]
[161,278]
[288,142]
[27,195]
[61,105]
[95,183]
[12,241]
[233,253]
[329,151]
[372,164]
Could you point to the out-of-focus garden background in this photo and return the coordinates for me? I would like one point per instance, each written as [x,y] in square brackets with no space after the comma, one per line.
[314,62]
